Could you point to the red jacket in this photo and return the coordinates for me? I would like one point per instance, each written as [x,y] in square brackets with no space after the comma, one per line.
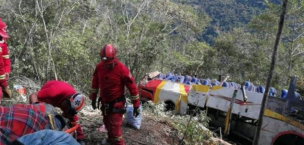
[5,63]
[54,92]
[112,82]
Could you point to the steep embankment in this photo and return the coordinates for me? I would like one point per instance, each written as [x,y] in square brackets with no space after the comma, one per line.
[157,127]
[155,130]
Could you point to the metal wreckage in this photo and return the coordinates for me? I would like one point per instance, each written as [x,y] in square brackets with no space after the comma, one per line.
[233,108]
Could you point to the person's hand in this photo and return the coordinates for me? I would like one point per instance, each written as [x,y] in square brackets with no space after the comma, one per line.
[94,104]
[6,76]
[33,98]
[93,97]
[136,111]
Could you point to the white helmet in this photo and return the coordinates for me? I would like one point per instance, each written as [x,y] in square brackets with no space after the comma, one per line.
[77,101]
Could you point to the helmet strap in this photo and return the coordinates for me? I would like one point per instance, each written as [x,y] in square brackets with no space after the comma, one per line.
[71,110]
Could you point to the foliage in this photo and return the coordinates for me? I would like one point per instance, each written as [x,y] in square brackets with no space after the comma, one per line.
[290,52]
[61,39]
[193,130]
[57,39]
[245,53]
[226,15]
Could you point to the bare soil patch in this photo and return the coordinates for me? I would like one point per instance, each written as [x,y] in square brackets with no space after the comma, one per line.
[152,132]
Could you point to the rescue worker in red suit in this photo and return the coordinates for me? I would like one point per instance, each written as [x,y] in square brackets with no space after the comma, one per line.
[111,77]
[5,63]
[62,95]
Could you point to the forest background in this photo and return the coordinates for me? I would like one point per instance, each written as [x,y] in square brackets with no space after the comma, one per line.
[61,39]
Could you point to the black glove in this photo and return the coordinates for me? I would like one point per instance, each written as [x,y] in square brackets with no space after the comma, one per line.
[94,104]
[98,103]
[136,111]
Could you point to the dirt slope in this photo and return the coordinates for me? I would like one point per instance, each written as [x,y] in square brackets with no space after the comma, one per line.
[152,132]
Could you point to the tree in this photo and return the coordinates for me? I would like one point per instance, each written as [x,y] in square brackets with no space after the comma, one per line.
[61,39]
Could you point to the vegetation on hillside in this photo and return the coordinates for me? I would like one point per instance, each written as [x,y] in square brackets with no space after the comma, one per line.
[61,39]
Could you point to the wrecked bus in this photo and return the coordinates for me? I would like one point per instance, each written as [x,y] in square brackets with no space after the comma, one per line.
[233,109]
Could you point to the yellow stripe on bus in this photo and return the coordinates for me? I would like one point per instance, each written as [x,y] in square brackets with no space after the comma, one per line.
[272,114]
[178,104]
[200,88]
[183,93]
[216,88]
[157,91]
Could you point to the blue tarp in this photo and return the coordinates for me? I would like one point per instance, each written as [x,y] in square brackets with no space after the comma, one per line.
[169,76]
[225,84]
[284,93]
[260,89]
[182,78]
[206,82]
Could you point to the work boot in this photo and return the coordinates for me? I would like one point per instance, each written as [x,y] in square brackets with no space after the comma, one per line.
[105,142]
[7,93]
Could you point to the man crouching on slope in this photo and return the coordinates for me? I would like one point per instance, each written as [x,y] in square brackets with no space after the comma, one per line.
[62,95]
[111,77]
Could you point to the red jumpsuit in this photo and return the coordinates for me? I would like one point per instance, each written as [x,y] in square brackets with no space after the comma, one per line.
[5,65]
[112,82]
[54,92]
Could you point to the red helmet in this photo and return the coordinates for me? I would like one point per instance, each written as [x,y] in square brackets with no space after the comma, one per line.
[3,29]
[108,53]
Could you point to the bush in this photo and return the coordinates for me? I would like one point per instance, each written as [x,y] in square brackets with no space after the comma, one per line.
[192,129]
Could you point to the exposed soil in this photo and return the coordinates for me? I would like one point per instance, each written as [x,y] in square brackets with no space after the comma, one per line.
[152,132]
